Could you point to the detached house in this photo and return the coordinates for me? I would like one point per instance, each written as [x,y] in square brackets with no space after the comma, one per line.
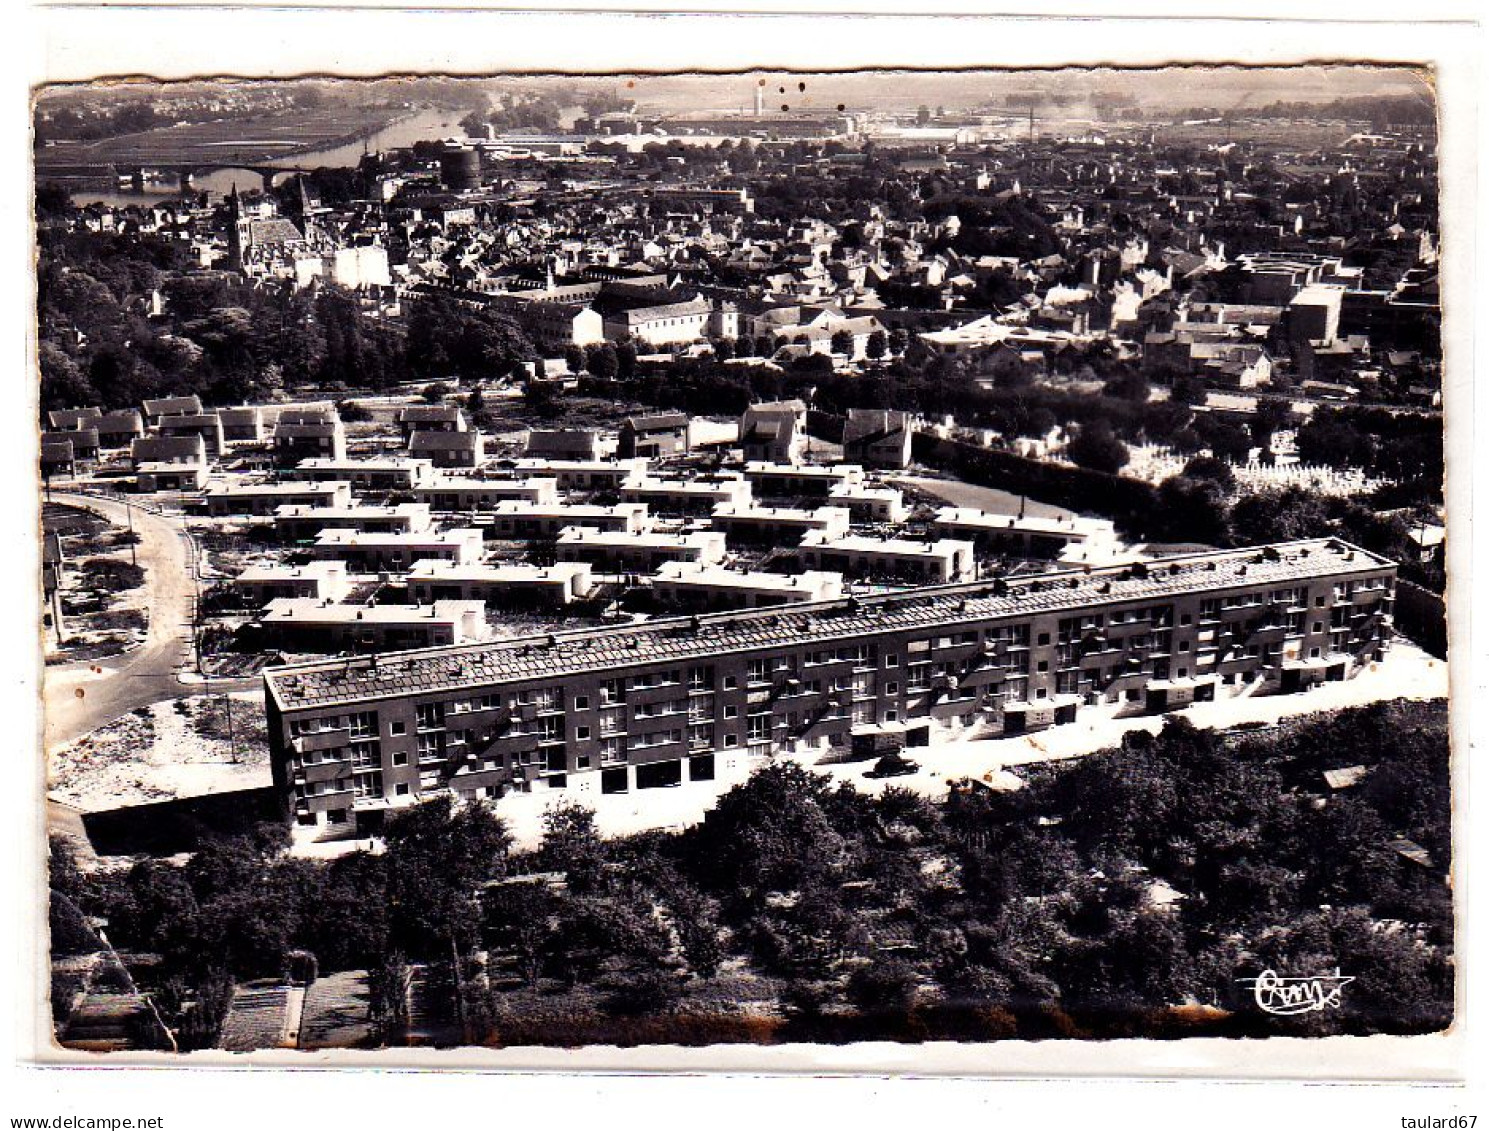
[665,434]
[877,438]
[449,449]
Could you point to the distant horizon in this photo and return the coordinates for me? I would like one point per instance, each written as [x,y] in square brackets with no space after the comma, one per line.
[1153,89]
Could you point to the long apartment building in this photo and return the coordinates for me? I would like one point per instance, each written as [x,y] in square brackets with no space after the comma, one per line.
[297,523]
[1075,538]
[388,474]
[515,518]
[941,561]
[686,496]
[266,498]
[458,494]
[651,704]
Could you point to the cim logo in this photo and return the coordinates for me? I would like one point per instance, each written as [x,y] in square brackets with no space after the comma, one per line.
[1287,997]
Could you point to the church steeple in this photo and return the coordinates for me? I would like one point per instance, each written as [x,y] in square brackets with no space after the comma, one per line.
[234,230]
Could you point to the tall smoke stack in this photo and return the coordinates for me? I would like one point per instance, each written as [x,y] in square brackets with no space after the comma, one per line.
[759,101]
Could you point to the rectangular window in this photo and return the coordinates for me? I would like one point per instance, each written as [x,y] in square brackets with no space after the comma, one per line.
[363,724]
[397,728]
[431,747]
[759,670]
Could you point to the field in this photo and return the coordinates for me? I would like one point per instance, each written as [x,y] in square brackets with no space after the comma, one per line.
[172,749]
[225,142]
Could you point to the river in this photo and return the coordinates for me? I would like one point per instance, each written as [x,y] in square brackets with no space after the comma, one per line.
[422,125]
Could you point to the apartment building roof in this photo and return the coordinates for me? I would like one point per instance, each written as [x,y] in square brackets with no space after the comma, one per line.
[900,547]
[679,639]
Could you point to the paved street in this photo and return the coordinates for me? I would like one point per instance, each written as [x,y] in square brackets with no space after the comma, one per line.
[76,697]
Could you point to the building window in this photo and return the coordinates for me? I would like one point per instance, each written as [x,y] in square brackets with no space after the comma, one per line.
[581,702]
[581,733]
[400,757]
[397,728]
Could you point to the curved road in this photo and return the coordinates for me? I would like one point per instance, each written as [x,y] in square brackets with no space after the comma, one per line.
[76,698]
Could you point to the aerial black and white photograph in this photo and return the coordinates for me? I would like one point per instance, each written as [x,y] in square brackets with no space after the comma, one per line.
[759,558]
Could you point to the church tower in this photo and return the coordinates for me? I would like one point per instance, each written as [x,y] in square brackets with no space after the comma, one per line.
[235,226]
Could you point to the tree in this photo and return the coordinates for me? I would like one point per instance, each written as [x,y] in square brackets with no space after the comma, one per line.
[699,933]
[353,412]
[477,410]
[1193,510]
[1189,390]
[603,362]
[877,345]
[546,398]
[574,358]
[572,845]
[1215,470]
[625,359]
[519,917]
[387,993]
[769,834]
[842,343]
[899,341]
[435,393]
[1279,516]
[436,856]
[1097,448]
[1128,385]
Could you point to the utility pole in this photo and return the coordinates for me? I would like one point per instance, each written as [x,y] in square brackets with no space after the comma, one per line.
[232,739]
[129,517]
